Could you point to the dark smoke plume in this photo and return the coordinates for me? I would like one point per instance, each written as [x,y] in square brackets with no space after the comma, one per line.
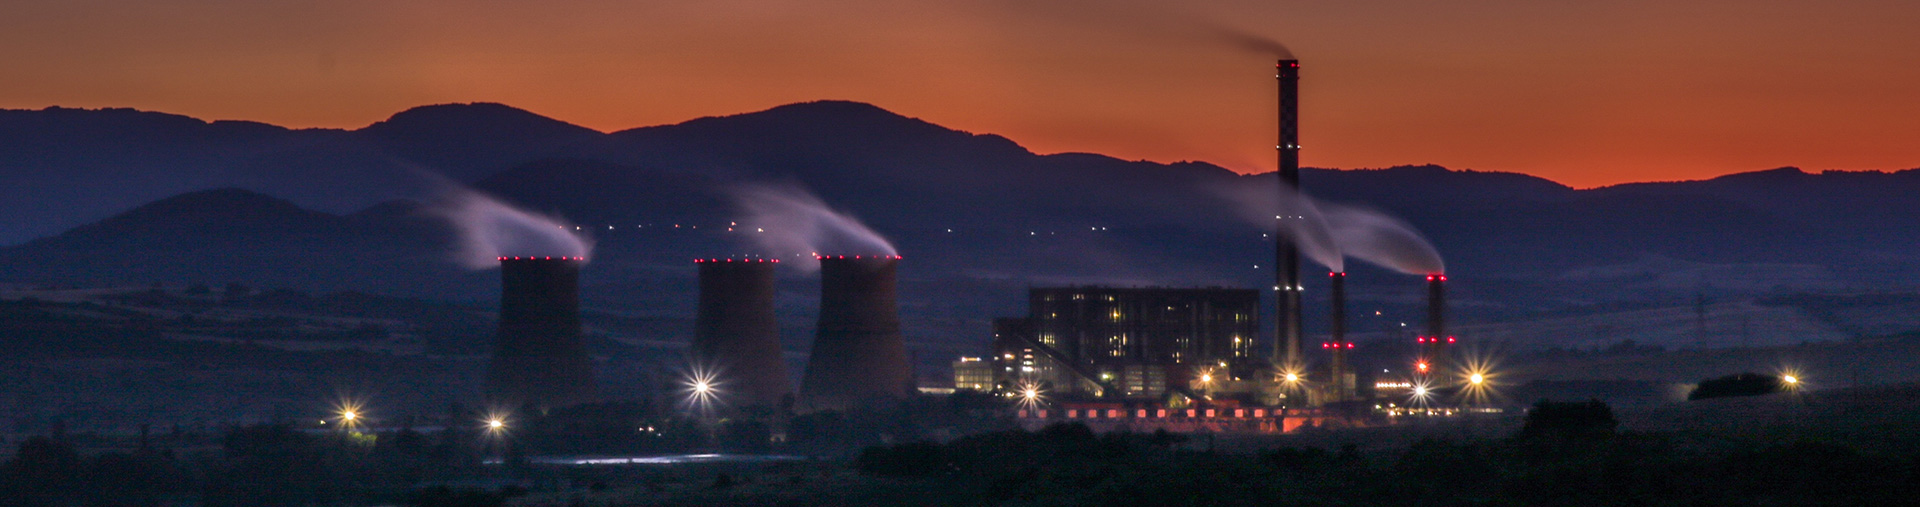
[1252,42]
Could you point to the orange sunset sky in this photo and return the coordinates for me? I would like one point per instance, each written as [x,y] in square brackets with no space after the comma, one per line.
[1586,93]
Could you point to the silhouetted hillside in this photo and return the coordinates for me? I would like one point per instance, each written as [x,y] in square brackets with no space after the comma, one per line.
[974,213]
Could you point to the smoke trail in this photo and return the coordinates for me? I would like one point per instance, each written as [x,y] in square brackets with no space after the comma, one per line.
[1326,232]
[1291,215]
[1251,41]
[790,221]
[1382,240]
[490,229]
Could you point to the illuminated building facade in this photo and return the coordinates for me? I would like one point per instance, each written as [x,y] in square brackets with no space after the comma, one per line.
[1141,340]
[972,374]
[1017,362]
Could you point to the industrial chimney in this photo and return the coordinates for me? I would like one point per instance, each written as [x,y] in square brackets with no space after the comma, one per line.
[858,353]
[735,334]
[1286,346]
[1436,346]
[1337,344]
[539,357]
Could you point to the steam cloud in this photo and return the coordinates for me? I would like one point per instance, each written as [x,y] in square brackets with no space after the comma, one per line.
[1382,240]
[1325,232]
[1295,216]
[490,229]
[797,222]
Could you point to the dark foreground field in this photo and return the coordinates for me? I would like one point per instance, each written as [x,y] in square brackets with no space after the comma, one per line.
[1848,447]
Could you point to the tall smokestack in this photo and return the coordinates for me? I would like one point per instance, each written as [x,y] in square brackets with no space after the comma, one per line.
[1342,389]
[1436,345]
[735,334]
[1286,347]
[539,357]
[858,353]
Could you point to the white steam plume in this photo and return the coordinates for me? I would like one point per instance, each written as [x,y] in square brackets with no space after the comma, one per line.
[490,229]
[1326,232]
[793,224]
[1291,215]
[1382,240]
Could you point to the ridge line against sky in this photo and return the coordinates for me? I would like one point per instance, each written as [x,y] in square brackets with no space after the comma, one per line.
[1588,94]
[1017,142]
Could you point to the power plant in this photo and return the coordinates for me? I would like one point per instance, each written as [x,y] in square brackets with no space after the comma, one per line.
[858,354]
[1146,354]
[736,337]
[539,358]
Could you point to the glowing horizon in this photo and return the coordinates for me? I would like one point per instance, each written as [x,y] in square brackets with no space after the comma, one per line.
[1587,95]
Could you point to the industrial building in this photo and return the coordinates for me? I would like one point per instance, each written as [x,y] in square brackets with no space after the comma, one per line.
[1129,342]
[972,374]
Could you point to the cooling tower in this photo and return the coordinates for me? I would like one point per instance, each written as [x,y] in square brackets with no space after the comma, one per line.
[858,354]
[735,335]
[539,357]
[1436,345]
[1286,346]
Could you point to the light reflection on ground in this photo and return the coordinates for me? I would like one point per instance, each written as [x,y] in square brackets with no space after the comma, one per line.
[675,459]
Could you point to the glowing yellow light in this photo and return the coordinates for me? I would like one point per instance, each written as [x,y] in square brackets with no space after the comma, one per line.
[349,416]
[1476,379]
[1291,377]
[1030,396]
[1421,366]
[1420,391]
[1206,378]
[496,424]
[1791,379]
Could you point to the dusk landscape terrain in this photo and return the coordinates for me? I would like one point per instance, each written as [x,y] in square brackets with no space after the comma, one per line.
[1021,255]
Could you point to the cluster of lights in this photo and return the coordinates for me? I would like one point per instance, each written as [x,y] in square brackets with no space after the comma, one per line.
[825,257]
[1436,277]
[1424,339]
[730,259]
[1332,345]
[540,258]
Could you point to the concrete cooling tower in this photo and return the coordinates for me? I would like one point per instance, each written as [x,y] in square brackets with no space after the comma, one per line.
[735,335]
[539,357]
[858,354]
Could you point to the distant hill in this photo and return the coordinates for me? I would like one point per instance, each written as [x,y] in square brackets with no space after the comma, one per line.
[320,209]
[229,235]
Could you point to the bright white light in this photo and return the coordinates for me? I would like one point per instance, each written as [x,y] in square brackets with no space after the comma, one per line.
[349,416]
[1030,396]
[1293,377]
[1476,379]
[703,388]
[1206,377]
[1791,379]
